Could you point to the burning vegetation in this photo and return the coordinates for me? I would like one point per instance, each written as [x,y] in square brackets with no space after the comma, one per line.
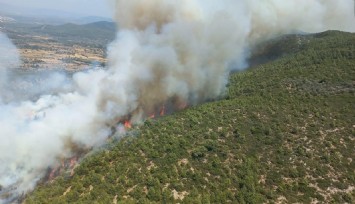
[282,135]
[167,54]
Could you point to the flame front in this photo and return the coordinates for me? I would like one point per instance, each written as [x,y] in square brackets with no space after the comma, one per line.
[127,124]
[162,111]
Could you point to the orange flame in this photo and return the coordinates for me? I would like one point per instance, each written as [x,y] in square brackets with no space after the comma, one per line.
[182,105]
[52,174]
[73,161]
[162,111]
[127,124]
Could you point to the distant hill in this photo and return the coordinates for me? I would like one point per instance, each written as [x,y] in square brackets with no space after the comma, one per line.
[283,134]
[90,19]
[100,33]
[97,33]
[30,15]
[104,28]
[46,16]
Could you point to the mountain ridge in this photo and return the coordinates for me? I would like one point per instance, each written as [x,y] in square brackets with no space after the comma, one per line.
[47,16]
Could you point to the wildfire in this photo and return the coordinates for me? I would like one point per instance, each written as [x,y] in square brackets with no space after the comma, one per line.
[52,174]
[69,164]
[182,105]
[127,124]
[162,111]
[72,164]
[65,164]
[73,161]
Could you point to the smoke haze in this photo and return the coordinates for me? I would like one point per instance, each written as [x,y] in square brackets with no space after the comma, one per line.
[167,52]
[9,57]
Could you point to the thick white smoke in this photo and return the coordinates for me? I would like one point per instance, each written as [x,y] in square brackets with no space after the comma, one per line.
[168,52]
[9,58]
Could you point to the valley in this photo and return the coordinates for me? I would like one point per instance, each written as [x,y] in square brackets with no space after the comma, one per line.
[71,47]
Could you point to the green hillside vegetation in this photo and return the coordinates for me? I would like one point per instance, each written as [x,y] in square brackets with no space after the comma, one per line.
[97,33]
[105,30]
[278,47]
[285,132]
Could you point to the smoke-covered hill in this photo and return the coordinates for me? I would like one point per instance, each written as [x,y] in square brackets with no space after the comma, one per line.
[284,133]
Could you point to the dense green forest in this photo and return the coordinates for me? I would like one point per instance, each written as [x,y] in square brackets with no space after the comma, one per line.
[285,132]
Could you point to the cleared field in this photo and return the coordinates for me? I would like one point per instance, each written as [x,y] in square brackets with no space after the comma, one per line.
[74,48]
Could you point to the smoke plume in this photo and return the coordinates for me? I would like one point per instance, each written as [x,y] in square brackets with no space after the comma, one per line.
[167,53]
[9,57]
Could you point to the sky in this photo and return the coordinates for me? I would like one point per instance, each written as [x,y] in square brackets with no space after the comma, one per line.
[83,7]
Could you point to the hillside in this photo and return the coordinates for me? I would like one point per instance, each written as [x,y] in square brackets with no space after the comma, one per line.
[285,132]
[96,34]
[102,32]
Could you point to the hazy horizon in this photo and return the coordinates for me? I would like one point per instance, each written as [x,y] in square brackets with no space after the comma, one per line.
[80,7]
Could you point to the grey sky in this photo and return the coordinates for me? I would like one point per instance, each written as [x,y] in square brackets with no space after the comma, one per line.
[86,7]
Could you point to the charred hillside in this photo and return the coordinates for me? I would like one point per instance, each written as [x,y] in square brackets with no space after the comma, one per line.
[284,133]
